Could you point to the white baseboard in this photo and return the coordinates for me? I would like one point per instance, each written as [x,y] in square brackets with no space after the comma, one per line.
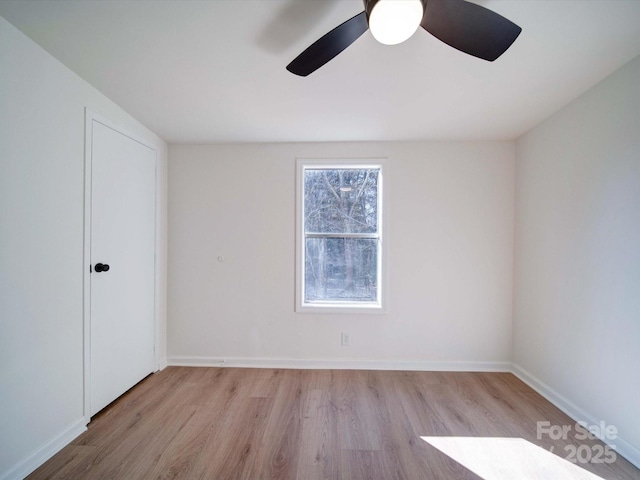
[340,364]
[622,447]
[44,453]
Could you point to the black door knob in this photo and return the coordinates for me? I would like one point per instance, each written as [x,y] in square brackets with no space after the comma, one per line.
[101,267]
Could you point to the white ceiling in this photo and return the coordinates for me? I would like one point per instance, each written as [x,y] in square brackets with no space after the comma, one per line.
[214,71]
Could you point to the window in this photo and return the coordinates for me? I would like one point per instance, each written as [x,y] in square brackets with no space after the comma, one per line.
[339,235]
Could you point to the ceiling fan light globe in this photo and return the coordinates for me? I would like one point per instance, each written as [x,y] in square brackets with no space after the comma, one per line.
[394,21]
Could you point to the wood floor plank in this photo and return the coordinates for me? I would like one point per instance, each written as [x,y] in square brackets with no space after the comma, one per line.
[228,409]
[255,424]
[134,455]
[277,456]
[180,456]
[318,457]
[361,464]
[234,458]
[264,382]
[59,466]
[357,427]
[421,415]
[115,421]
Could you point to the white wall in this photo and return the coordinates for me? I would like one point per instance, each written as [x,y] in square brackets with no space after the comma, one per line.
[577,272]
[450,238]
[41,248]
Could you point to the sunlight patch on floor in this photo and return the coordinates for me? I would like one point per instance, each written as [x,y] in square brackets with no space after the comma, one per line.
[497,458]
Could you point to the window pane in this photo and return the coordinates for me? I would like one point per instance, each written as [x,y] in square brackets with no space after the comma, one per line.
[341,269]
[341,200]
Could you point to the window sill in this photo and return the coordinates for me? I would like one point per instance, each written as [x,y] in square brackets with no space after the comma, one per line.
[337,308]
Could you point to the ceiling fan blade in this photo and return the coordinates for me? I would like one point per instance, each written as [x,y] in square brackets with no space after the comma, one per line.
[328,46]
[469,28]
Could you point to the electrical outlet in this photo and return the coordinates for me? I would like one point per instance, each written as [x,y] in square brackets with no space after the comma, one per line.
[346,339]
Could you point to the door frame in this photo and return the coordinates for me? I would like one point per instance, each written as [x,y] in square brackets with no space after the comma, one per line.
[90,118]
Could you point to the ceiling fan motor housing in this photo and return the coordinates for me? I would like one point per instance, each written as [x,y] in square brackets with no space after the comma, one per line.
[368,7]
[369,4]
[394,21]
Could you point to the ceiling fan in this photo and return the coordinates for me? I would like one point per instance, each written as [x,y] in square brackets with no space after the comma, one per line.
[465,26]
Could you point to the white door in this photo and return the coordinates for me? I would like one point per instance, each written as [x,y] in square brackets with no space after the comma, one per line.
[122,278]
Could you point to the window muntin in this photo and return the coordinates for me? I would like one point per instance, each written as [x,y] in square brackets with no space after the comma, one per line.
[340,236]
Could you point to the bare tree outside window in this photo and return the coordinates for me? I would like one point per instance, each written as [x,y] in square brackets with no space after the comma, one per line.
[341,235]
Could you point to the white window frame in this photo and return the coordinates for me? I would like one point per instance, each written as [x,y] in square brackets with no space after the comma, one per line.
[341,307]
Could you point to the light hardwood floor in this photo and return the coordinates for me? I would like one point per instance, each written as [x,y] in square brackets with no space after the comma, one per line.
[228,423]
